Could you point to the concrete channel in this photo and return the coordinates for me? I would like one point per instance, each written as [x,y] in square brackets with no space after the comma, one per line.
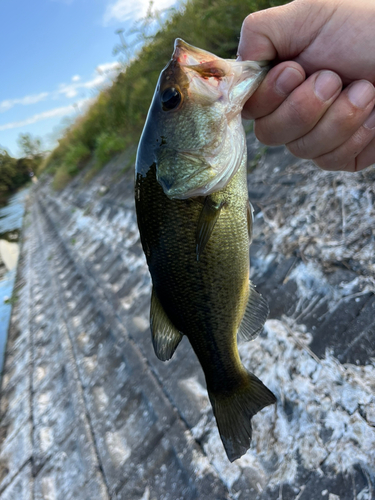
[88,411]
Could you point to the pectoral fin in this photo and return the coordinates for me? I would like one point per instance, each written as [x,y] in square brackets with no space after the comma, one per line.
[255,316]
[165,337]
[207,220]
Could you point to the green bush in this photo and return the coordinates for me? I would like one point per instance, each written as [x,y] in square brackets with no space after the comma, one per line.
[61,178]
[14,173]
[76,157]
[107,144]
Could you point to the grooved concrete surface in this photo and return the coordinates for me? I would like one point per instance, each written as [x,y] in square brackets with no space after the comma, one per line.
[88,412]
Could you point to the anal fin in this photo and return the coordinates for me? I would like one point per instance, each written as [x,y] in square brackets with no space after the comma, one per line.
[255,316]
[206,223]
[165,336]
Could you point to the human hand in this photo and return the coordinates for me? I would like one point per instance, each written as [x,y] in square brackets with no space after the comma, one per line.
[333,43]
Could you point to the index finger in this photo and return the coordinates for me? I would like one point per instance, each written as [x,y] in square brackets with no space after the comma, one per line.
[275,88]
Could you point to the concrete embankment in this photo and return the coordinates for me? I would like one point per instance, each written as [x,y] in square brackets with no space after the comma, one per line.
[89,412]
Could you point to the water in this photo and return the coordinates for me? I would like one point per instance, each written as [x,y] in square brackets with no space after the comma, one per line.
[11,217]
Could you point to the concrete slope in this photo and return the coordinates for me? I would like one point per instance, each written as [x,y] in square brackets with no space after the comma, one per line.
[88,411]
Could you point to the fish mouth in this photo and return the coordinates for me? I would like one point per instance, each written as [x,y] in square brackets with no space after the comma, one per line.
[208,76]
[201,62]
[188,55]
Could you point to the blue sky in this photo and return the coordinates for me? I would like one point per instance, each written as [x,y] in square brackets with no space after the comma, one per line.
[55,55]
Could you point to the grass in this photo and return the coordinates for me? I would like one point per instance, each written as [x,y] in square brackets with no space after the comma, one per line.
[116,118]
[107,144]
[252,164]
[12,300]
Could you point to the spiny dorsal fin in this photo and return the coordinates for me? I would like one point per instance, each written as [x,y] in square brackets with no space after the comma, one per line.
[165,337]
[207,220]
[255,315]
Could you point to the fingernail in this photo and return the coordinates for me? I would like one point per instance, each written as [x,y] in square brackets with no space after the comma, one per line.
[327,84]
[288,80]
[361,94]
[370,122]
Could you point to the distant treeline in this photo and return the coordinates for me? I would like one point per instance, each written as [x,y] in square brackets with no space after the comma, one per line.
[15,172]
[116,118]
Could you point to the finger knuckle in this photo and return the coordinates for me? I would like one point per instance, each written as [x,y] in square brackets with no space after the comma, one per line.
[255,17]
[302,148]
[328,162]
[334,162]
[250,21]
[264,134]
[300,114]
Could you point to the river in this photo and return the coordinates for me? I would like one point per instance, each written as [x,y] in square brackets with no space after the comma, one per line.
[11,217]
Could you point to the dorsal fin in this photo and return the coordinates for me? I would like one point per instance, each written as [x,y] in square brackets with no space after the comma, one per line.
[165,336]
[206,223]
[255,315]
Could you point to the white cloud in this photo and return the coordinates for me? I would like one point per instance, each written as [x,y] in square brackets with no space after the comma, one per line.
[108,67]
[125,10]
[64,110]
[29,99]
[103,74]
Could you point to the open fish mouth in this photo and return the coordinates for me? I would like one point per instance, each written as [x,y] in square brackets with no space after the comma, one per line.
[208,73]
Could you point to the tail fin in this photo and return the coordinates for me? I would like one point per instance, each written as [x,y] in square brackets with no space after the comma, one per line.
[233,413]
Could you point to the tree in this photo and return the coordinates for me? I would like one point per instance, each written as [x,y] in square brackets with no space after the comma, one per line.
[30,146]
[7,171]
[13,173]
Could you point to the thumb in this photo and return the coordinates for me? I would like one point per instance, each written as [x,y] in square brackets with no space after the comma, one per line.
[276,32]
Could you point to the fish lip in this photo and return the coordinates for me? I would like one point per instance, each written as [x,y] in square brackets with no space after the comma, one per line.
[186,54]
[192,62]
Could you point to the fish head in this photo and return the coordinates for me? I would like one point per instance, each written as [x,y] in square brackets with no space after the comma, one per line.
[193,133]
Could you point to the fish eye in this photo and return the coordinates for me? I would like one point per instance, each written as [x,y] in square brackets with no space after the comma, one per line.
[170,99]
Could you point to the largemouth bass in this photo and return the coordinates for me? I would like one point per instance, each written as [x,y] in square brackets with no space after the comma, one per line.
[195,223]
